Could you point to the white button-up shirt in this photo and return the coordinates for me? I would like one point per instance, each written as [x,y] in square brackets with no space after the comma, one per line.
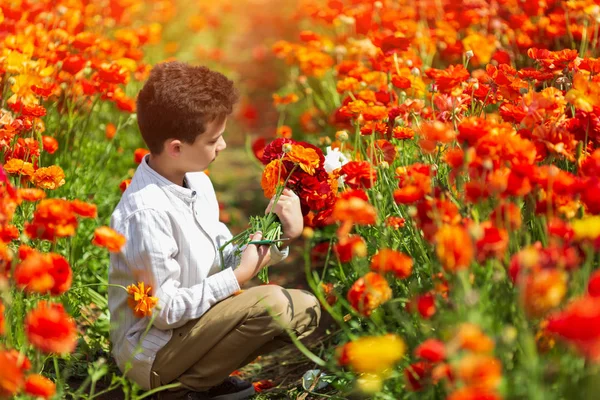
[173,235]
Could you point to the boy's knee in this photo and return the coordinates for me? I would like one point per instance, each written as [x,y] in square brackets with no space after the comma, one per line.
[276,302]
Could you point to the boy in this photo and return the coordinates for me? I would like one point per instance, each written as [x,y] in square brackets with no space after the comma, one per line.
[170,217]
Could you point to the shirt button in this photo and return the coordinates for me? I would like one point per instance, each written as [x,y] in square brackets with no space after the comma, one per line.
[194,193]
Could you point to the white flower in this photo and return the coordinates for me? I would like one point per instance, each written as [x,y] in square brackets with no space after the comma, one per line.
[334,159]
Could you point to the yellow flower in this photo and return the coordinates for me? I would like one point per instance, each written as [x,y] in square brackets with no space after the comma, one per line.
[587,228]
[140,301]
[372,354]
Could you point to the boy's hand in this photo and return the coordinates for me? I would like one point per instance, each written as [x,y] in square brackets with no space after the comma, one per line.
[254,258]
[289,213]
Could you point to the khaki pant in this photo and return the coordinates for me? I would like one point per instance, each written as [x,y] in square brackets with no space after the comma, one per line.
[232,333]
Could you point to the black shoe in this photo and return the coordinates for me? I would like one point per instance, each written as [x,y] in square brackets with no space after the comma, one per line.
[232,388]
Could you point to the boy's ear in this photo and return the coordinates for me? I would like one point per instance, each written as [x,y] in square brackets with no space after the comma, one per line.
[173,147]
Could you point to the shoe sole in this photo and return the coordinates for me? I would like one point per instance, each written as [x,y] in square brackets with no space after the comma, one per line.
[242,395]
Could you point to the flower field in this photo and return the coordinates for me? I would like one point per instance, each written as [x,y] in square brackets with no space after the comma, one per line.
[446,155]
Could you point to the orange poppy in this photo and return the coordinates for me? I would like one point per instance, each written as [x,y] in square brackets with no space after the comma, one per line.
[454,247]
[39,386]
[284,100]
[306,158]
[49,178]
[395,222]
[387,260]
[544,290]
[110,131]
[403,133]
[44,273]
[31,194]
[470,337]
[12,372]
[273,175]
[16,166]
[50,329]
[480,371]
[84,209]
[140,300]
[52,218]
[369,292]
[50,144]
[109,238]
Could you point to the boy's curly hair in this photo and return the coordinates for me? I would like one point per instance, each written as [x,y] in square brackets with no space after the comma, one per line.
[178,100]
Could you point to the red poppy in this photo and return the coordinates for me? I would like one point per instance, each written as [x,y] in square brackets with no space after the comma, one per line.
[50,329]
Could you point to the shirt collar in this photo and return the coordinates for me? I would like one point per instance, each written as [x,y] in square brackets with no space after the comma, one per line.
[183,193]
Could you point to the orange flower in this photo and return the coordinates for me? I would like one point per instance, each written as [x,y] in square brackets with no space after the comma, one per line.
[43,273]
[49,178]
[471,337]
[403,133]
[11,374]
[111,130]
[109,238]
[50,144]
[369,292]
[351,209]
[52,218]
[307,158]
[473,393]
[139,154]
[16,166]
[454,247]
[32,194]
[50,328]
[273,175]
[544,290]
[140,301]
[39,386]
[8,233]
[284,100]
[84,209]
[480,371]
[387,260]
[395,222]
[433,133]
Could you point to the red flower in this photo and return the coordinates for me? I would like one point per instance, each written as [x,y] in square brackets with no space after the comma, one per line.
[39,386]
[50,144]
[359,174]
[431,350]
[417,375]
[50,328]
[139,154]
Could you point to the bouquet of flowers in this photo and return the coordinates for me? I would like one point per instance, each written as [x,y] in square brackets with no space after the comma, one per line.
[298,166]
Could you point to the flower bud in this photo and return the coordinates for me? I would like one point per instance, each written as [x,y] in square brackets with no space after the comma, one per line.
[308,233]
[469,54]
[287,147]
[342,136]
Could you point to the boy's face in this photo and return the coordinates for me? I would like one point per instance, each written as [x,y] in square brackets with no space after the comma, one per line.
[197,156]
